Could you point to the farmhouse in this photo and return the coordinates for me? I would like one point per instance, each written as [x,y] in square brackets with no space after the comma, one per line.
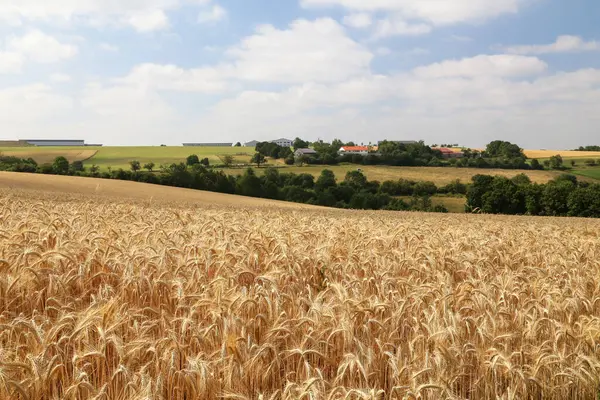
[305,152]
[361,150]
[54,142]
[283,142]
[449,153]
[208,144]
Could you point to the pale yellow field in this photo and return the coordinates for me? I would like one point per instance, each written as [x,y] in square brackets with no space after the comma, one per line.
[563,153]
[106,298]
[437,175]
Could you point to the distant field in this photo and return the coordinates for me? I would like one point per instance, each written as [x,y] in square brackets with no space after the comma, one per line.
[563,153]
[44,155]
[593,173]
[437,175]
[119,157]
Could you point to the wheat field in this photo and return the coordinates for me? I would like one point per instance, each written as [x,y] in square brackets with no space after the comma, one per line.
[103,298]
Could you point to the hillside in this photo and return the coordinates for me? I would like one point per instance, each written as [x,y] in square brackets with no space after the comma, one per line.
[122,190]
[104,294]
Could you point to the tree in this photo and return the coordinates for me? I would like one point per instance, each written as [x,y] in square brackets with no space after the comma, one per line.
[77,166]
[302,159]
[289,160]
[227,160]
[94,169]
[355,179]
[135,165]
[258,159]
[238,144]
[60,165]
[192,160]
[499,148]
[205,162]
[535,164]
[149,166]
[573,163]
[556,162]
[326,180]
[300,144]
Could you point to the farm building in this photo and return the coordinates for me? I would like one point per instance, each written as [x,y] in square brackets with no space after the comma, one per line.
[208,144]
[305,152]
[251,143]
[54,142]
[449,153]
[283,142]
[361,150]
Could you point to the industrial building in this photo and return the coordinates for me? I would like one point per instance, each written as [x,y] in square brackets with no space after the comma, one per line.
[54,142]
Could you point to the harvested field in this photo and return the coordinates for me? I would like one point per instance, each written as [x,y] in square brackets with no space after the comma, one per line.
[563,153]
[107,298]
[44,155]
[437,175]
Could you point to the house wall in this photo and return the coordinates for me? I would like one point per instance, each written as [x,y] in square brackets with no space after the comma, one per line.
[283,143]
[362,153]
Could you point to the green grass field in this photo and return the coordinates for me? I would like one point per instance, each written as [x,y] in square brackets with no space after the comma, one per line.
[593,173]
[119,157]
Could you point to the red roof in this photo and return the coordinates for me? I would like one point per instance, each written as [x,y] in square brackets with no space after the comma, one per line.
[446,150]
[355,148]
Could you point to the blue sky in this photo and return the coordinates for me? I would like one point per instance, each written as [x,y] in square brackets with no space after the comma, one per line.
[146,72]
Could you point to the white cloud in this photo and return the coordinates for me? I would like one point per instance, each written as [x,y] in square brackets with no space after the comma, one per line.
[40,47]
[149,21]
[60,78]
[216,13]
[109,47]
[459,38]
[396,26]
[30,106]
[309,51]
[563,44]
[484,65]
[10,62]
[438,12]
[173,78]
[143,15]
[358,21]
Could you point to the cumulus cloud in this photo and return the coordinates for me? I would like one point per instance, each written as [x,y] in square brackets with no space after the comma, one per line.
[308,51]
[396,26]
[143,15]
[214,14]
[149,21]
[40,47]
[358,21]
[435,11]
[484,65]
[10,62]
[563,44]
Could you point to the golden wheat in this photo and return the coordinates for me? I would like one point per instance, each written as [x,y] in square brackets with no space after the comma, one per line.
[124,300]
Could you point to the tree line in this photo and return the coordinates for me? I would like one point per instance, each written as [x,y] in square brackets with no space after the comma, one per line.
[563,196]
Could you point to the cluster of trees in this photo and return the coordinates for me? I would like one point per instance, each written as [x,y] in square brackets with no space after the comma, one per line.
[273,150]
[588,148]
[563,196]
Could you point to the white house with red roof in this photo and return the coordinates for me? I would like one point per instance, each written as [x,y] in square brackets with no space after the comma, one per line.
[360,150]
